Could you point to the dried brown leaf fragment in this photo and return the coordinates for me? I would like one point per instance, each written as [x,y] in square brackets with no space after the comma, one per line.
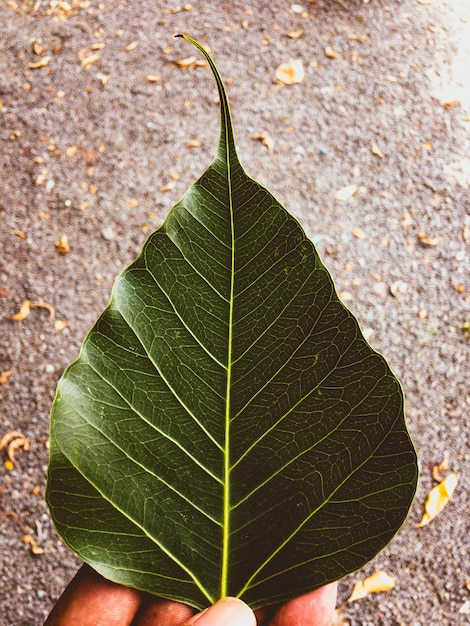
[14,440]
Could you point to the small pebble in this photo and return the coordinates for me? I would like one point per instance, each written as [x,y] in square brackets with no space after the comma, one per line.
[108,233]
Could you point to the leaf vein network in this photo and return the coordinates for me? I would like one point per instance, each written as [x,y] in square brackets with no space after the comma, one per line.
[138,464]
[173,391]
[153,426]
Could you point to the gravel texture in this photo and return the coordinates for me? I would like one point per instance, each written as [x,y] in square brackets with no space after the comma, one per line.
[96,152]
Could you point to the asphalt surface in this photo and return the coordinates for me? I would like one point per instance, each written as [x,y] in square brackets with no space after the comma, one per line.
[93,150]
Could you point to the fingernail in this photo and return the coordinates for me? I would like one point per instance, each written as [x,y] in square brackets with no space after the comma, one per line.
[226,612]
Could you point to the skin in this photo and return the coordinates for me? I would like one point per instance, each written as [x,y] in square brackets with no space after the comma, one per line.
[90,600]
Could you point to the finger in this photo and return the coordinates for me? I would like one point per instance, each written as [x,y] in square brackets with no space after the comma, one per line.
[91,599]
[155,612]
[312,609]
[227,611]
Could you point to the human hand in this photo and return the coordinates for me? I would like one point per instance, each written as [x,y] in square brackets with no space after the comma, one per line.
[91,600]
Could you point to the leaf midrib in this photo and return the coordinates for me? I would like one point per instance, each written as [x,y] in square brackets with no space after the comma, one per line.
[227,464]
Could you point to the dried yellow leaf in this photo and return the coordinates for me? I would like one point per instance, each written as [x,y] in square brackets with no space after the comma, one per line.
[60,324]
[44,305]
[295,34]
[20,234]
[451,103]
[291,73]
[345,193]
[23,313]
[330,53]
[9,465]
[359,233]
[438,498]
[43,61]
[376,150]
[186,62]
[103,78]
[265,139]
[14,440]
[62,244]
[35,549]
[89,60]
[41,178]
[38,48]
[380,581]
[5,376]
[430,242]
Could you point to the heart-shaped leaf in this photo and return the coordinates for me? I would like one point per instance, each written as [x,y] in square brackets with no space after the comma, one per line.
[227,430]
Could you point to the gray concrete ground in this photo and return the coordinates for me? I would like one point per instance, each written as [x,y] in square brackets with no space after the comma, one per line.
[91,150]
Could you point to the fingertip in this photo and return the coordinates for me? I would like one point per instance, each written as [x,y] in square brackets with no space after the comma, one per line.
[312,609]
[227,611]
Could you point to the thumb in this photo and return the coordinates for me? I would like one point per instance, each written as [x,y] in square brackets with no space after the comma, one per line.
[227,611]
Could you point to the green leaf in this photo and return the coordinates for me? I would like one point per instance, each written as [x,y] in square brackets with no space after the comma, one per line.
[226,429]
